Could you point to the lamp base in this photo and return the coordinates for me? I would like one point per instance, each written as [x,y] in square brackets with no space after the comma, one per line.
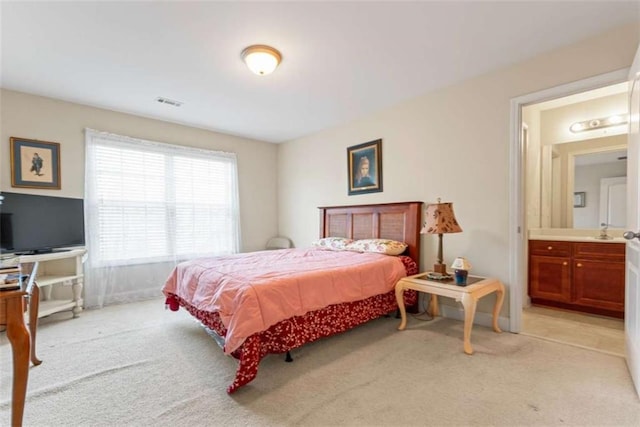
[440,268]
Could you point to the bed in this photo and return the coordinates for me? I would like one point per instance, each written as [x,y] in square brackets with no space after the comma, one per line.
[322,306]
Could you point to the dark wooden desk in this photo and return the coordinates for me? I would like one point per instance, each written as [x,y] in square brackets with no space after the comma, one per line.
[12,315]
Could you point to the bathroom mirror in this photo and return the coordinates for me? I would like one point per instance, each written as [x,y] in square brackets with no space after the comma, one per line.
[592,173]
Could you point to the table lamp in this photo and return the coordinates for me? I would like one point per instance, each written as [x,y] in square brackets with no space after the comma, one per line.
[440,220]
[461,269]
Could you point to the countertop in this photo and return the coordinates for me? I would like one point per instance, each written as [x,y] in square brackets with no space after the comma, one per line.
[575,235]
[576,238]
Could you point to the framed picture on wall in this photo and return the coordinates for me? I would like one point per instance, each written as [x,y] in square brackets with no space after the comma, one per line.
[35,164]
[365,167]
[579,199]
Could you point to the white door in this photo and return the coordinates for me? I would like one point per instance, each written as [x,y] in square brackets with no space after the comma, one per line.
[632,293]
[613,202]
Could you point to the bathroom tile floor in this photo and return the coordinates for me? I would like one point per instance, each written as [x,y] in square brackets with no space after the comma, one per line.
[599,333]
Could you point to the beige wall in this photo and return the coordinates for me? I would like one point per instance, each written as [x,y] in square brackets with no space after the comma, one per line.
[34,117]
[452,143]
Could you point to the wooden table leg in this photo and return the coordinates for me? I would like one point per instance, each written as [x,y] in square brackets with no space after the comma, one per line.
[469,303]
[403,311]
[498,306]
[34,303]
[434,307]
[18,336]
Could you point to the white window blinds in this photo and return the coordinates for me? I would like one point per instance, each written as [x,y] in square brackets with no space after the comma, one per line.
[151,202]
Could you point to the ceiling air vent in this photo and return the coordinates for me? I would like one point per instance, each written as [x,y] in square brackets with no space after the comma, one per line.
[168,101]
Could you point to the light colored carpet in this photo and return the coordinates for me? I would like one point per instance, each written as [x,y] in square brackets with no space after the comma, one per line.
[137,364]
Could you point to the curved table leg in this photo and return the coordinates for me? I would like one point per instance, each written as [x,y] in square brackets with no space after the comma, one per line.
[403,311]
[498,306]
[469,303]
[34,303]
[18,336]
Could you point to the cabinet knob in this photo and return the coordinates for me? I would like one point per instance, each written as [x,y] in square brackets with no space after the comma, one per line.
[549,247]
[579,265]
[565,263]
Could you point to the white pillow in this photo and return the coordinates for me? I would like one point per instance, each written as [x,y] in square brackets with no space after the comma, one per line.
[380,246]
[333,243]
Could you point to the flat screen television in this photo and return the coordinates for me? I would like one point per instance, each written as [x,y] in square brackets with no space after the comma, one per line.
[39,224]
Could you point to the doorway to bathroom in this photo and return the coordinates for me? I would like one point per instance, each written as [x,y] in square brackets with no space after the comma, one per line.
[574,158]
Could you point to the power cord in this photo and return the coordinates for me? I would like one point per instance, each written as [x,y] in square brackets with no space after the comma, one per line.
[423,315]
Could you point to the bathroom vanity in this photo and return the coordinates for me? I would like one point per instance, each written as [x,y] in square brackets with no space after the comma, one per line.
[578,273]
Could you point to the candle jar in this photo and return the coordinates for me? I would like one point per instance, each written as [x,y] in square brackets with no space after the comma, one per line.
[461,277]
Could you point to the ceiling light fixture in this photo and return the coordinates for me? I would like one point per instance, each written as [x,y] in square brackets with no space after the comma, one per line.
[261,59]
[605,122]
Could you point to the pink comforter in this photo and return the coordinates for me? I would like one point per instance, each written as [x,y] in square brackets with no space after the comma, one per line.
[253,291]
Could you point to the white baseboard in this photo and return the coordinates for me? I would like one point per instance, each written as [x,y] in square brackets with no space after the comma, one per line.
[482,319]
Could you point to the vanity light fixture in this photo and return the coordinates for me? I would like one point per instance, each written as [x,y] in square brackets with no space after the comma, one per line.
[261,59]
[605,122]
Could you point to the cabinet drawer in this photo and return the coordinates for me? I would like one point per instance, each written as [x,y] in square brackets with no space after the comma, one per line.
[549,248]
[599,251]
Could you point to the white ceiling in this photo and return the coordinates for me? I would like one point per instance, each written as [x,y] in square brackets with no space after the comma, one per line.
[341,60]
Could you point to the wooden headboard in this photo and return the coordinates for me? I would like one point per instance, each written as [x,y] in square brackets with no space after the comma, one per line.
[396,221]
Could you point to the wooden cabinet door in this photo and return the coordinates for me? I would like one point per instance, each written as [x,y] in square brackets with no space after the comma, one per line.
[599,284]
[550,278]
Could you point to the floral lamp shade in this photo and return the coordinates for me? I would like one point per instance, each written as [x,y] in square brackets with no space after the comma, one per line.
[439,219]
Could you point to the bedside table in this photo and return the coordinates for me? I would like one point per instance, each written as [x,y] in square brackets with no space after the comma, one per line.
[476,288]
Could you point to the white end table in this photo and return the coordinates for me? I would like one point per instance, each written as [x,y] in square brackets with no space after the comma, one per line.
[476,288]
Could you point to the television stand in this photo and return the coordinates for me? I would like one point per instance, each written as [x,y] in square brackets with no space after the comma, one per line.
[35,252]
[60,277]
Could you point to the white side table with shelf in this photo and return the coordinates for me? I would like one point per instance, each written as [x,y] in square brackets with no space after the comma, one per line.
[60,277]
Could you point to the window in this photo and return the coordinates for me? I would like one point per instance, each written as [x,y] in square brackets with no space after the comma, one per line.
[149,202]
